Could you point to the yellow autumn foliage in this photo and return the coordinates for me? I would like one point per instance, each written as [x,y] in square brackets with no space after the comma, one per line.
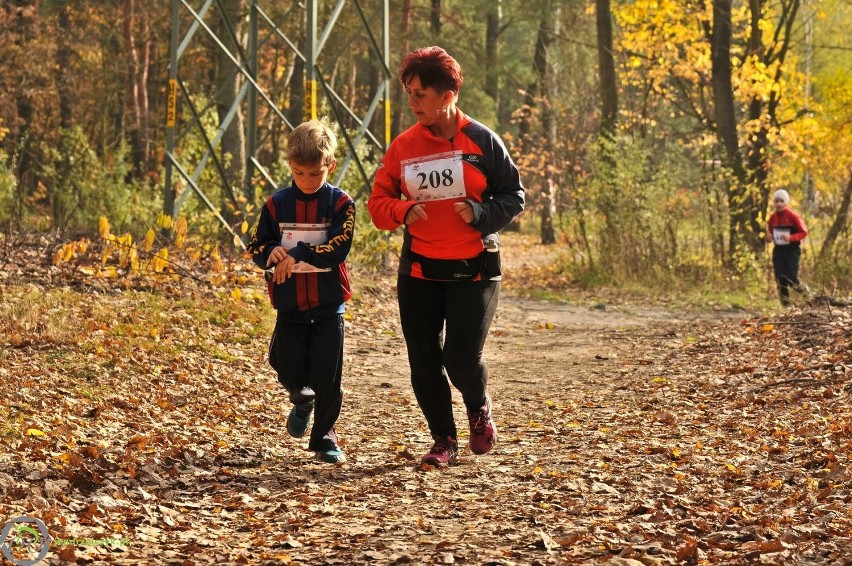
[164,221]
[63,254]
[180,229]
[148,242]
[218,266]
[69,251]
[109,247]
[134,258]
[103,227]
[160,260]
[124,244]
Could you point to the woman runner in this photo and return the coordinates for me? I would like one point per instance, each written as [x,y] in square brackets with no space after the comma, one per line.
[450,181]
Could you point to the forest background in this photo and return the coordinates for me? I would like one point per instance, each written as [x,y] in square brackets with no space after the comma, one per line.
[650,133]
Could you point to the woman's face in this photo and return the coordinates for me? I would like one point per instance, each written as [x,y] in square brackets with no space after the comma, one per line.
[427,103]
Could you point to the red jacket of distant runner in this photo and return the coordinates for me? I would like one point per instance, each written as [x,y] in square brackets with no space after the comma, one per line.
[787,219]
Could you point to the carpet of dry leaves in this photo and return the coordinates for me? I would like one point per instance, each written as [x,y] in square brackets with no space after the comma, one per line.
[143,409]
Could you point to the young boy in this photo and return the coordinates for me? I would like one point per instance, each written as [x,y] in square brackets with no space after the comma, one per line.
[302,239]
[786,229]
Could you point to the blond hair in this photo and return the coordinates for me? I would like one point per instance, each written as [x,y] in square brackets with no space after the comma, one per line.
[312,143]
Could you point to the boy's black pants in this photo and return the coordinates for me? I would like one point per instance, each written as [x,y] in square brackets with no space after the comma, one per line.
[467,308]
[311,355]
[785,262]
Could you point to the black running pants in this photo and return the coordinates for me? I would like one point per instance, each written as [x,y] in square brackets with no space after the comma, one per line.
[311,355]
[461,313]
[785,262]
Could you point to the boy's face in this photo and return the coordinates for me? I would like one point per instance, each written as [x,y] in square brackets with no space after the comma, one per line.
[310,178]
[780,205]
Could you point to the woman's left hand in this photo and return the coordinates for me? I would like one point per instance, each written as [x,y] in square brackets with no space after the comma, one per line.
[464,210]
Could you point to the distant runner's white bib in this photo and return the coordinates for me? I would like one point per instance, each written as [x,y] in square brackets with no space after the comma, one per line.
[313,234]
[435,177]
[777,233]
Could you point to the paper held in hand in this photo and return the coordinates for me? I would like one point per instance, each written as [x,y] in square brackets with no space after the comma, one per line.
[313,234]
[777,234]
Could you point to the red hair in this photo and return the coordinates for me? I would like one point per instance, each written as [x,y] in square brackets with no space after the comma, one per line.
[435,68]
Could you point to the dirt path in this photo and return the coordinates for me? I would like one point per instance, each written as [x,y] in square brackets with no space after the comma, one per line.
[626,434]
[601,456]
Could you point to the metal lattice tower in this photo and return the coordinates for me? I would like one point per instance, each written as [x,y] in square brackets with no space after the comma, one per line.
[252,94]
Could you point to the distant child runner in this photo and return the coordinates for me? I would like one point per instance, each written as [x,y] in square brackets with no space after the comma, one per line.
[786,229]
[305,232]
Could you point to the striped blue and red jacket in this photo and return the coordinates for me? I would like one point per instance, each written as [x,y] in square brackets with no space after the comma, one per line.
[305,297]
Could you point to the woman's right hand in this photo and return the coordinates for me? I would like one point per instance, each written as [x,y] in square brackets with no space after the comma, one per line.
[415,213]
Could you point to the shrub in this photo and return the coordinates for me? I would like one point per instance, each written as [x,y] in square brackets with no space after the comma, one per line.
[81,187]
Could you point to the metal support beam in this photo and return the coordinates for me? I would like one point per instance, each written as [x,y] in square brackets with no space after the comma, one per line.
[355,127]
[192,29]
[311,61]
[388,77]
[330,92]
[171,159]
[251,119]
[229,117]
[171,109]
[329,26]
[240,68]
[346,137]
[269,180]
[373,43]
[196,117]
[359,137]
[292,45]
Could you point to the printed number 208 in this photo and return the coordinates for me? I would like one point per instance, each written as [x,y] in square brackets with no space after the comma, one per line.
[435,179]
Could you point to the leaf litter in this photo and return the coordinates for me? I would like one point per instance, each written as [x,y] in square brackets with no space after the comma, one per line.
[146,411]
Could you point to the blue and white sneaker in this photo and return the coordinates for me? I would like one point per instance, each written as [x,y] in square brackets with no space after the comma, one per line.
[330,453]
[300,418]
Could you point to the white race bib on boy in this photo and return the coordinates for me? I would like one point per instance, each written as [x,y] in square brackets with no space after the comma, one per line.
[435,177]
[313,234]
[777,233]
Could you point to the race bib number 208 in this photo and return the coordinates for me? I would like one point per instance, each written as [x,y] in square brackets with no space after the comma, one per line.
[435,177]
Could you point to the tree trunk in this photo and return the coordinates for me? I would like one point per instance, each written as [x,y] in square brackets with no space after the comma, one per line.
[493,22]
[758,144]
[839,223]
[24,107]
[138,65]
[435,17]
[148,50]
[546,84]
[296,113]
[228,83]
[764,112]
[611,245]
[726,124]
[63,64]
[399,91]
[606,68]
[62,208]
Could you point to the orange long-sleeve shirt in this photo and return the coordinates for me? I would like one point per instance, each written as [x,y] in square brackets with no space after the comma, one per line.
[420,167]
